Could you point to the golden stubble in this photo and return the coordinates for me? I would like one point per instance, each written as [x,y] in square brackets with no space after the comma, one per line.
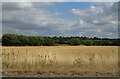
[61,58]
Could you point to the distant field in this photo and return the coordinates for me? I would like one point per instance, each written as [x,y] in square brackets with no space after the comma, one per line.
[60,61]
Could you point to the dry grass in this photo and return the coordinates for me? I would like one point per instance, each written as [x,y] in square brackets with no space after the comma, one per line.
[60,61]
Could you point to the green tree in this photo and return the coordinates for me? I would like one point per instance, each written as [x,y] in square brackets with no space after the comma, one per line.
[88,42]
[48,42]
[9,39]
[22,40]
[75,42]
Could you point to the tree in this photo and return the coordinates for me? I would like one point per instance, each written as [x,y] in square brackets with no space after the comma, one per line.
[22,40]
[88,42]
[74,42]
[9,39]
[48,42]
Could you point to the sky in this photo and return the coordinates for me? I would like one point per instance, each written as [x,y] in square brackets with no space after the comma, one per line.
[91,19]
[60,0]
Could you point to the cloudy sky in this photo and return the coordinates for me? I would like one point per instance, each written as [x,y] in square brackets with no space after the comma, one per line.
[91,19]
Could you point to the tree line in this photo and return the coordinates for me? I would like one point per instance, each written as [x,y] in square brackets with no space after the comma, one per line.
[22,40]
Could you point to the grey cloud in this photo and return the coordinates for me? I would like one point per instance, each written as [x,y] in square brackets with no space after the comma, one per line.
[97,17]
[31,19]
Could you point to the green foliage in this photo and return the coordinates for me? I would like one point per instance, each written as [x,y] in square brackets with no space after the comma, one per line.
[9,39]
[74,42]
[88,42]
[48,42]
[22,40]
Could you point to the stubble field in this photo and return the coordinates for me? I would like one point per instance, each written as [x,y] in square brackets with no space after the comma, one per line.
[60,61]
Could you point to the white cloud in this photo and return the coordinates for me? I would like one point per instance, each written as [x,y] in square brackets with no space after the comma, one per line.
[25,18]
[92,7]
[99,17]
[97,0]
[32,19]
[60,0]
[72,10]
[76,11]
